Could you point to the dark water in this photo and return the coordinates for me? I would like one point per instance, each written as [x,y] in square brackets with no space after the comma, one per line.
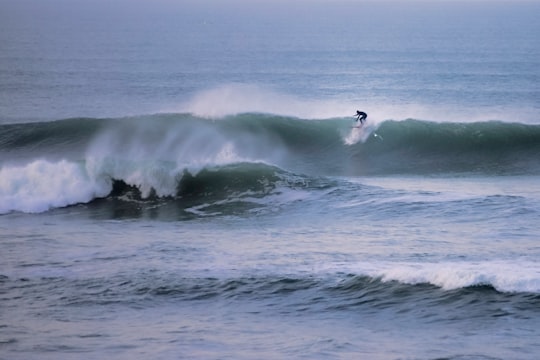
[184,180]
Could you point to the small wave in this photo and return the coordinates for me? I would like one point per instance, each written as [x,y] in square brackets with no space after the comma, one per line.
[315,292]
[504,276]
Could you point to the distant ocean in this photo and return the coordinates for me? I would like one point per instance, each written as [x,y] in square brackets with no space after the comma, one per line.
[186,180]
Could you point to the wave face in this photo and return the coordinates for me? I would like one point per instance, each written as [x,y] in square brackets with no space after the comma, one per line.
[493,148]
[182,156]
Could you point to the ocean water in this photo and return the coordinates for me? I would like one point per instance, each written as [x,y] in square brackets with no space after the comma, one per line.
[183,180]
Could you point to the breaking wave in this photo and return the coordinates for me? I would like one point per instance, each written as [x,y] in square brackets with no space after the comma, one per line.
[182,156]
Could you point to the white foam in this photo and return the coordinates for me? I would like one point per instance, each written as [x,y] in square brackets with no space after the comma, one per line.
[358,134]
[151,156]
[515,275]
[146,176]
[42,185]
[506,276]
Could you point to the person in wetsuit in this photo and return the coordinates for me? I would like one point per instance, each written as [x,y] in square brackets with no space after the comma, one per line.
[362,116]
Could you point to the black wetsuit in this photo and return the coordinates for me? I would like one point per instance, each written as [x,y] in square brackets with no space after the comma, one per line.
[362,116]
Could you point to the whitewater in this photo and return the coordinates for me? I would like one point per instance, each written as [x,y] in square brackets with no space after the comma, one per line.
[187,180]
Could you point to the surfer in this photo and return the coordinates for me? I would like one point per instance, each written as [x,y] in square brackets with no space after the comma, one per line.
[362,116]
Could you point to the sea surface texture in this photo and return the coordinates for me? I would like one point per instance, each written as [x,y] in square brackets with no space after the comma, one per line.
[186,180]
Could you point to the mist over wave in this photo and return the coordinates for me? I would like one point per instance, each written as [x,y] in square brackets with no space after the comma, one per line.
[239,98]
[233,99]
